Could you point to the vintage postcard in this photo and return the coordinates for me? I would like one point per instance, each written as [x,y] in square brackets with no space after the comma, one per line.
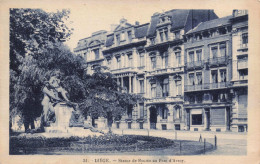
[129,81]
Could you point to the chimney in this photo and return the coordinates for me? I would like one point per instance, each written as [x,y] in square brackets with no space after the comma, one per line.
[137,23]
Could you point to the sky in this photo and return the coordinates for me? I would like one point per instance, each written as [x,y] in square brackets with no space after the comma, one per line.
[87,19]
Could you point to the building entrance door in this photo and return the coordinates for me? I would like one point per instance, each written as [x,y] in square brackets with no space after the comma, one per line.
[153,118]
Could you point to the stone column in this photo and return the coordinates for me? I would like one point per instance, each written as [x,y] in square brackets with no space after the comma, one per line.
[117,79]
[134,84]
[130,84]
[145,86]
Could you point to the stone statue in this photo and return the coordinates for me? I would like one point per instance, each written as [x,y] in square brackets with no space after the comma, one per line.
[54,94]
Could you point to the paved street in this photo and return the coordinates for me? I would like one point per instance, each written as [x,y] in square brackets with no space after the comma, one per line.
[228,143]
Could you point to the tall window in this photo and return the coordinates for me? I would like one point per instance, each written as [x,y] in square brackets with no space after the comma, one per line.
[141,110]
[199,55]
[166,35]
[214,52]
[129,112]
[214,76]
[245,39]
[178,58]
[153,62]
[165,59]
[130,60]
[153,90]
[164,113]
[96,52]
[199,78]
[118,59]
[243,74]
[118,39]
[178,88]
[223,75]
[141,60]
[177,112]
[166,87]
[222,48]
[141,86]
[161,36]
[129,34]
[191,56]
[191,79]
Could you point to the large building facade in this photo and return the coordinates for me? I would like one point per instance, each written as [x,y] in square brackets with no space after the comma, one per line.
[183,63]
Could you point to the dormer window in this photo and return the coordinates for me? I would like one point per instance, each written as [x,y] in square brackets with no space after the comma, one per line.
[96,52]
[163,34]
[129,34]
[164,18]
[118,39]
[122,36]
[177,34]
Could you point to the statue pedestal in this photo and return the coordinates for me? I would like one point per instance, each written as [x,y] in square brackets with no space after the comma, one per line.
[61,127]
[63,114]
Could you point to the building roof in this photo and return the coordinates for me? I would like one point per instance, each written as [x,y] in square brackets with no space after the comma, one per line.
[211,24]
[99,36]
[178,19]
[109,40]
[141,31]
[182,19]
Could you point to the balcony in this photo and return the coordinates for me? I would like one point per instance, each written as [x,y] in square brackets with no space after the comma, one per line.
[165,71]
[195,65]
[218,61]
[164,99]
[122,70]
[242,64]
[205,86]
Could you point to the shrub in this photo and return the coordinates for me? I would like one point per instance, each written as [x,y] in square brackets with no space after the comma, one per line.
[106,143]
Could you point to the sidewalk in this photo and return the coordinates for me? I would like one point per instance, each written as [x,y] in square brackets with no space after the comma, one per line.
[228,143]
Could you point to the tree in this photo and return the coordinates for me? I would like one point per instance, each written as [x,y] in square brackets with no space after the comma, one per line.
[36,50]
[106,98]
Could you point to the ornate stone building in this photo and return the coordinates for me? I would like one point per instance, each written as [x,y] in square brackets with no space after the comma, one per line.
[208,58]
[240,70]
[182,63]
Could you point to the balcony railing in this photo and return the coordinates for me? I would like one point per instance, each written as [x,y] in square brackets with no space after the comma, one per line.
[218,61]
[242,64]
[165,70]
[205,86]
[124,69]
[164,99]
[195,64]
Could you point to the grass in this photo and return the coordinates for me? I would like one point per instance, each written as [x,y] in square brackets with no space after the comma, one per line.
[109,143]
